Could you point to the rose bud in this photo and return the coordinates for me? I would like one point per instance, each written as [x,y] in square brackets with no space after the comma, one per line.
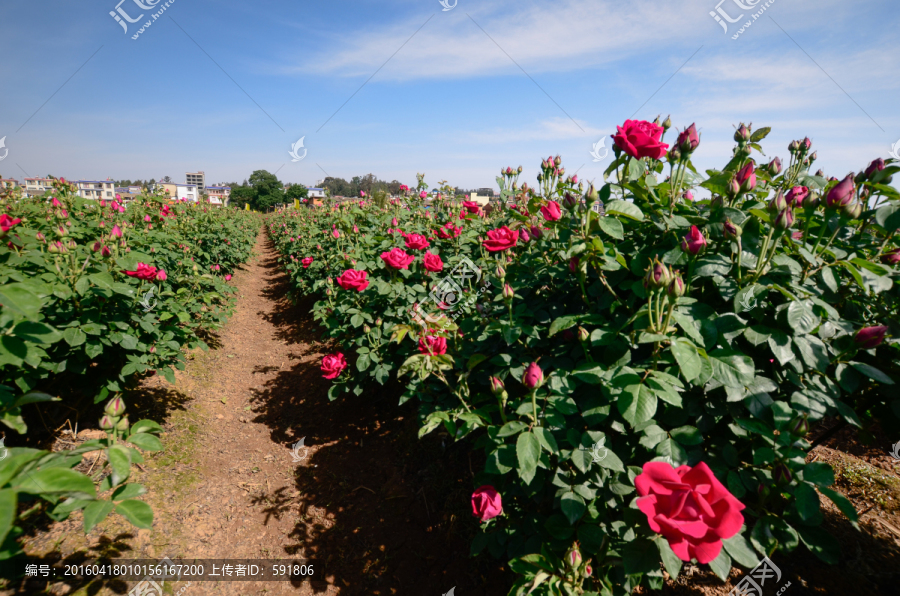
[583,334]
[570,201]
[533,377]
[853,210]
[868,338]
[497,386]
[378,322]
[874,167]
[658,276]
[500,272]
[806,144]
[892,257]
[122,425]
[782,474]
[508,292]
[61,231]
[688,195]
[108,422]
[734,187]
[742,134]
[676,288]
[813,157]
[785,219]
[799,426]
[115,407]
[95,247]
[747,177]
[573,557]
[694,242]
[842,194]
[674,155]
[762,490]
[717,202]
[794,146]
[588,570]
[591,195]
[778,203]
[689,139]
[557,160]
[731,230]
[797,195]
[774,167]
[573,264]
[524,236]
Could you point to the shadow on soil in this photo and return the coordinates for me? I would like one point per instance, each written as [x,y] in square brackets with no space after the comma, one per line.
[380,510]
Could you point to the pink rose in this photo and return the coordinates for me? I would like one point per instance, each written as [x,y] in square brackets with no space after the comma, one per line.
[551,211]
[228,277]
[471,206]
[533,377]
[397,258]
[161,275]
[6,223]
[417,242]
[333,365]
[689,507]
[143,271]
[501,239]
[431,344]
[352,279]
[307,262]
[797,195]
[433,262]
[639,138]
[486,503]
[694,242]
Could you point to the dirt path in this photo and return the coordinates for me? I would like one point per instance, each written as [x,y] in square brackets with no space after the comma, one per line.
[378,510]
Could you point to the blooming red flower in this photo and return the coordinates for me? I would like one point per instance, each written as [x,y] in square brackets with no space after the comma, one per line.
[450,230]
[307,262]
[746,177]
[432,344]
[333,365]
[433,262]
[161,275]
[397,258]
[471,206]
[689,507]
[143,271]
[417,242]
[352,279]
[501,239]
[639,138]
[6,222]
[551,211]
[486,503]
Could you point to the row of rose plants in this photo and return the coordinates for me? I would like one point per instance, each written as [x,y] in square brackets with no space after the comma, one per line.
[641,379]
[95,296]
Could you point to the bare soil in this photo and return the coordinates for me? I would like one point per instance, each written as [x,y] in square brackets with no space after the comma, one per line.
[378,510]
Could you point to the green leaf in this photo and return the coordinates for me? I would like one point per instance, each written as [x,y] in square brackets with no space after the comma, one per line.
[8,505]
[20,301]
[821,543]
[721,565]
[95,513]
[38,333]
[872,372]
[145,426]
[546,439]
[688,358]
[624,208]
[807,501]
[145,441]
[120,462]
[732,368]
[475,360]
[56,480]
[670,560]
[741,550]
[528,452]
[640,556]
[819,473]
[687,435]
[74,336]
[801,317]
[612,227]
[715,264]
[637,404]
[33,397]
[842,503]
[671,451]
[760,133]
[128,491]
[573,506]
[137,512]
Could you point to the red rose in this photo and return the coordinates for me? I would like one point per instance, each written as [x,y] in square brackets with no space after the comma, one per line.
[307,262]
[797,195]
[333,365]
[486,503]
[417,242]
[501,239]
[431,344]
[471,206]
[433,262]
[352,279]
[450,230]
[694,242]
[146,272]
[868,338]
[639,138]
[397,258]
[6,223]
[689,507]
[551,211]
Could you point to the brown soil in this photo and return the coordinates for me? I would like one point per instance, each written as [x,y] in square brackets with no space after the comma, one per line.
[378,510]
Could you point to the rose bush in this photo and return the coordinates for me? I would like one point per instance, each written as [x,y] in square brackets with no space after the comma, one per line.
[639,379]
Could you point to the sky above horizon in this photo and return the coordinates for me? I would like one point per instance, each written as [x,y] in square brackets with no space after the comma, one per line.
[398,87]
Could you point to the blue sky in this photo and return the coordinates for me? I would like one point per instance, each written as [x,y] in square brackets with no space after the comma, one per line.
[453,102]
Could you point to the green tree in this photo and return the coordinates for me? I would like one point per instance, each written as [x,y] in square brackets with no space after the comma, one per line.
[268,190]
[296,191]
[243,194]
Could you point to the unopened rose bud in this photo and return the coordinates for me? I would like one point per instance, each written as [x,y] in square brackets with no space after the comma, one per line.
[508,292]
[778,203]
[573,558]
[785,219]
[782,474]
[658,276]
[122,425]
[497,386]
[536,232]
[592,195]
[96,246]
[108,422]
[570,201]
[731,230]
[500,272]
[763,491]
[799,426]
[742,134]
[667,123]
[676,287]
[557,160]
[61,231]
[774,167]
[688,195]
[115,407]
[853,210]
[583,335]
[588,571]
[794,147]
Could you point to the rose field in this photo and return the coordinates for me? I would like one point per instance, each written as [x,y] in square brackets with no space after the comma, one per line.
[649,384]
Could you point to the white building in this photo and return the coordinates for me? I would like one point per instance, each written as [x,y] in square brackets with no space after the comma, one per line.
[315,193]
[96,189]
[218,195]
[36,187]
[198,179]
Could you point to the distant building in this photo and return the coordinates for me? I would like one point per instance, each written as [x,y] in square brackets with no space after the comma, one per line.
[96,189]
[198,179]
[482,200]
[134,190]
[179,192]
[218,195]
[36,187]
[8,183]
[315,193]
[486,192]
[127,197]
